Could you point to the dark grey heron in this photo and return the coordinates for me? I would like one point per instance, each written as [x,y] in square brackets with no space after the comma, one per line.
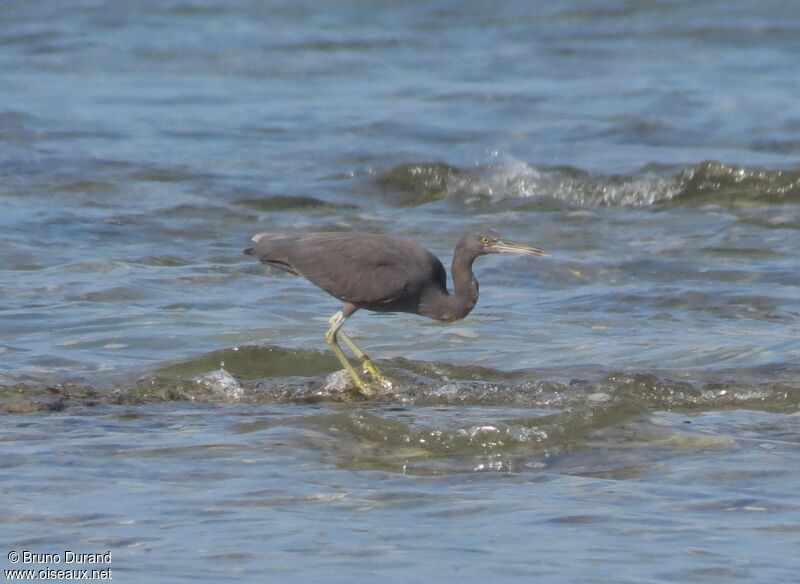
[383,274]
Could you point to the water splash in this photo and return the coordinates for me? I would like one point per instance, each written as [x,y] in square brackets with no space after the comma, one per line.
[516,181]
[222,384]
[276,375]
[336,382]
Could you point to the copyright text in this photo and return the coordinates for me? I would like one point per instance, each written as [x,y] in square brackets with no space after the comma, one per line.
[66,565]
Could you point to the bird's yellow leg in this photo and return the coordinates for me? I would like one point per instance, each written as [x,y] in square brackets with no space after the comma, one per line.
[367,363]
[336,321]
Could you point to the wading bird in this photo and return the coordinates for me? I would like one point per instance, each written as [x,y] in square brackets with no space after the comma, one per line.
[383,274]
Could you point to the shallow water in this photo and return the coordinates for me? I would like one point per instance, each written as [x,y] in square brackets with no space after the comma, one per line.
[624,411]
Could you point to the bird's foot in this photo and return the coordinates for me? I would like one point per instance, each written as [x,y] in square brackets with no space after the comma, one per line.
[370,369]
[361,386]
[373,386]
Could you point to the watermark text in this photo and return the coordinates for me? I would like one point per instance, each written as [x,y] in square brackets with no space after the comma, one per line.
[65,565]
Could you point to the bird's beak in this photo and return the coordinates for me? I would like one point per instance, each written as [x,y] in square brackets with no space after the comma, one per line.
[504,246]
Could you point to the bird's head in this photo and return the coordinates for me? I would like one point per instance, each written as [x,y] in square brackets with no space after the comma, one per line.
[487,241]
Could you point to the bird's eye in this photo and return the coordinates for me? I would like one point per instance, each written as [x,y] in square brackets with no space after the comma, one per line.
[485,240]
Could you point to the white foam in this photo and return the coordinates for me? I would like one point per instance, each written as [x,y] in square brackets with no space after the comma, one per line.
[115,346]
[222,383]
[338,381]
[514,179]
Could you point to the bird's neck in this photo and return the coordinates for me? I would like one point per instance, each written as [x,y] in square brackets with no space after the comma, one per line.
[465,288]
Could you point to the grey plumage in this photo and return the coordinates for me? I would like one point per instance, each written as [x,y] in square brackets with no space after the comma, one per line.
[369,270]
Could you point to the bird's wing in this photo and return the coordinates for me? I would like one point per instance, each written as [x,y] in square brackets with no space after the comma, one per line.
[354,267]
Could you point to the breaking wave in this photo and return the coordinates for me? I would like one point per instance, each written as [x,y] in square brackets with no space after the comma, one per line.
[708,182]
[258,374]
